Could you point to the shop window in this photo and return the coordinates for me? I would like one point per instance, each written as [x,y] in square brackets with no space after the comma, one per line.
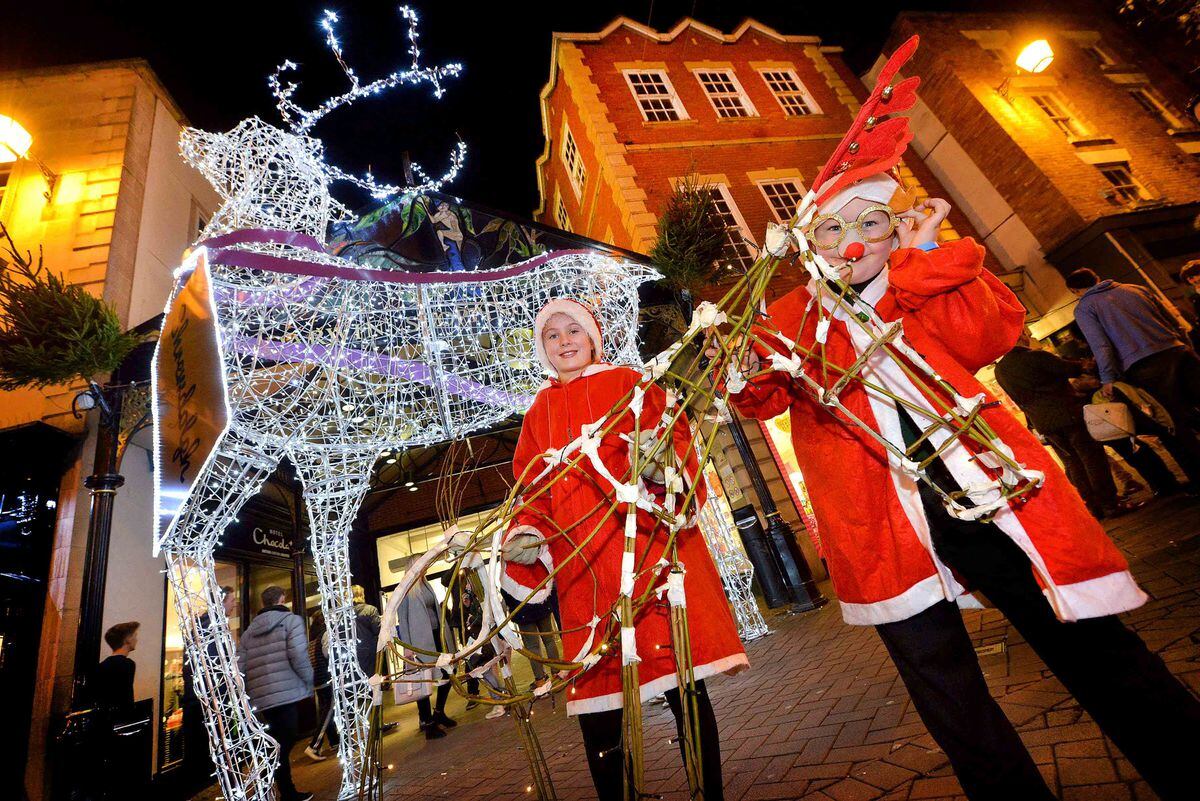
[725,94]
[1056,111]
[655,95]
[573,162]
[793,98]
[783,197]
[1126,188]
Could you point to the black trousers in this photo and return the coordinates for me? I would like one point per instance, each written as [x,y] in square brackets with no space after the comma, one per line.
[1087,467]
[425,712]
[1126,688]
[326,723]
[283,724]
[1173,378]
[606,757]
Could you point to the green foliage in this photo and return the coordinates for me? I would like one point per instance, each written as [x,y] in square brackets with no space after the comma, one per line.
[691,238]
[52,332]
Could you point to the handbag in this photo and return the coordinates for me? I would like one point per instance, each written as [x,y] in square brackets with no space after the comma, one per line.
[1109,421]
[413,684]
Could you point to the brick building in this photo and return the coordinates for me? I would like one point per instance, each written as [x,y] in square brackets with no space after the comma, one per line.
[753,114]
[1090,163]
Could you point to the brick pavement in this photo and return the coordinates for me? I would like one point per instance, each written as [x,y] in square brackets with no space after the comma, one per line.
[822,714]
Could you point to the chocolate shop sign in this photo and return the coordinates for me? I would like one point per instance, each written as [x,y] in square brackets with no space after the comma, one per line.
[264,540]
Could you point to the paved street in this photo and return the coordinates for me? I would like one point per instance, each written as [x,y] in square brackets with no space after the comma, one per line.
[822,714]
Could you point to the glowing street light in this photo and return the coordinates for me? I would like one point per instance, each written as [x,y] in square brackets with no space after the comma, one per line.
[14,140]
[1034,57]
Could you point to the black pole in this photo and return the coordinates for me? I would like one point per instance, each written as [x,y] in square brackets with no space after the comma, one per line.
[782,540]
[103,483]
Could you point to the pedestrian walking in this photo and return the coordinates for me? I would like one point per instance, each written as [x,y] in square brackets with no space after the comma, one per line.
[318,648]
[1133,335]
[897,557]
[273,659]
[1039,383]
[418,623]
[1190,275]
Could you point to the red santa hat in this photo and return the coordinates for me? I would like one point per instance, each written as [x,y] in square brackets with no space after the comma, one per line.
[579,313]
[880,188]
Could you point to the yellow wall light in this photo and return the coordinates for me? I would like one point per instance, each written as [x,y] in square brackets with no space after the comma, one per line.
[14,140]
[1035,56]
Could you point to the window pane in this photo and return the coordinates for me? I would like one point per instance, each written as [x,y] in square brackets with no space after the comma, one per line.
[787,89]
[737,250]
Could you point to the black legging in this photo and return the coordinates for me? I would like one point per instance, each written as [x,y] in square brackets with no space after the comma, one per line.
[605,756]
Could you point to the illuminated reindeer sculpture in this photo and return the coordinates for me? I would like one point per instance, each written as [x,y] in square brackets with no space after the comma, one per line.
[326,364]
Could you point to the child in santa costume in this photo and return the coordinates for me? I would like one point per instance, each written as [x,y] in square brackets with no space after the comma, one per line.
[900,560]
[552,526]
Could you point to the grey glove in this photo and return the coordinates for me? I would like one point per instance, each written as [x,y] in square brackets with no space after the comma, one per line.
[523,545]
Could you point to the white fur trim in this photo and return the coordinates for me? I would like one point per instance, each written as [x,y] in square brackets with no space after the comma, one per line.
[577,311]
[878,188]
[649,689]
[1106,595]
[917,598]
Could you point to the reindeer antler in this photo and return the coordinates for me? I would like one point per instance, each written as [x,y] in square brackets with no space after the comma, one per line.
[301,120]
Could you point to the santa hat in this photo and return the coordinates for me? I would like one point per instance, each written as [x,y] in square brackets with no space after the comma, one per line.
[880,188]
[577,312]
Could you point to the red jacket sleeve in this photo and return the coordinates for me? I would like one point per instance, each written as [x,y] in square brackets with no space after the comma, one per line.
[771,394]
[533,511]
[973,315]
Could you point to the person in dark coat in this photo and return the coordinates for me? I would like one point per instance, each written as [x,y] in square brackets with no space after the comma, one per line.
[273,658]
[1038,382]
[319,655]
[112,681]
[1190,275]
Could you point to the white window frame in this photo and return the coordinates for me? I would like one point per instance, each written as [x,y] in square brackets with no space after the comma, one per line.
[1063,121]
[797,187]
[671,95]
[573,161]
[1122,188]
[727,75]
[1098,53]
[737,236]
[1161,109]
[801,92]
[561,218]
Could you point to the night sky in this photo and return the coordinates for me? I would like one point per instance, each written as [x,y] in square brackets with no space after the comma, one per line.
[214,58]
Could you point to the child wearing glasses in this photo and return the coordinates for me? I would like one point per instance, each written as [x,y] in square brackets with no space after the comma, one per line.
[899,560]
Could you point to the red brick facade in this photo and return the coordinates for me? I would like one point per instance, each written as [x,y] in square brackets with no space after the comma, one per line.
[631,163]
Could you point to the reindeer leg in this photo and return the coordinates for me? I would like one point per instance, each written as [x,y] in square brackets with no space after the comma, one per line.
[334,486]
[244,754]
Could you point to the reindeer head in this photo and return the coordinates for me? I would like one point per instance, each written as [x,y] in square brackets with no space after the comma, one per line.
[269,177]
[266,176]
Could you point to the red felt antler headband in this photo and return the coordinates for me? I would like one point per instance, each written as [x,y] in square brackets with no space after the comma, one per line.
[873,144]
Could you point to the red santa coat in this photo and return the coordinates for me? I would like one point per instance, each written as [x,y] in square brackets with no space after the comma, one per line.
[874,534]
[589,583]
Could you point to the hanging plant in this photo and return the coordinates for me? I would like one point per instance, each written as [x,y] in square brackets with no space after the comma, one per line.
[52,332]
[691,237]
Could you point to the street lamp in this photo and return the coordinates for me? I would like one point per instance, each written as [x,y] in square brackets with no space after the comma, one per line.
[1034,57]
[15,143]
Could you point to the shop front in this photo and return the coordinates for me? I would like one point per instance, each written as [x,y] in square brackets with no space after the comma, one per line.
[257,552]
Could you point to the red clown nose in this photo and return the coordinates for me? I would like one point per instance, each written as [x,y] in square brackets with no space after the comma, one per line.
[854,251]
